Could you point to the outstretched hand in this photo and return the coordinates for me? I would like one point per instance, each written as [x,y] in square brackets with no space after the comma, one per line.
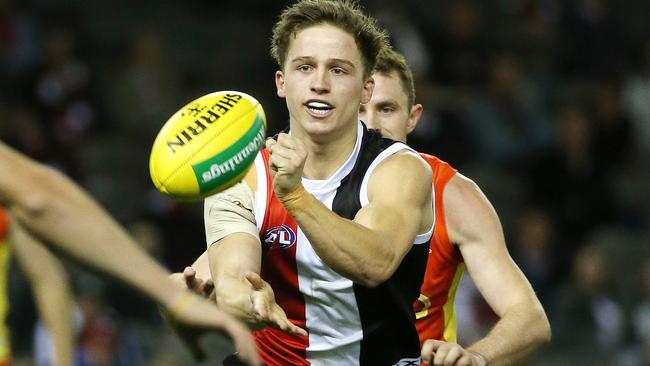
[266,310]
[258,307]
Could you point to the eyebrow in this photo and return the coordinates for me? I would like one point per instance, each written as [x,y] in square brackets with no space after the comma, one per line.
[331,60]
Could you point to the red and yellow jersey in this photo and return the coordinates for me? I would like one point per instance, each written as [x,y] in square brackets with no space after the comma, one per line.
[5,348]
[434,309]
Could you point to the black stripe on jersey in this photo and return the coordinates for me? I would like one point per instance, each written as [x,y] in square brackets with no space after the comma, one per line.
[386,312]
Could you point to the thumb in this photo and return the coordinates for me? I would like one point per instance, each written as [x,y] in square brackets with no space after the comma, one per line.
[255,280]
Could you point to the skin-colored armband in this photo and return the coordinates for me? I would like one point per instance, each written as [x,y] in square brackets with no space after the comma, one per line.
[229,212]
[298,200]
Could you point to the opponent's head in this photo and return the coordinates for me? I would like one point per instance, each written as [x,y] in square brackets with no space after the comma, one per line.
[391,108]
[326,50]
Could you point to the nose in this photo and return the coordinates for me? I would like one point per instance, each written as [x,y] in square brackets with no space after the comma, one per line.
[320,82]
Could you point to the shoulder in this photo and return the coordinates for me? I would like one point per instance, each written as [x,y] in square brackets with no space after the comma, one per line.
[405,170]
[407,163]
[468,212]
[464,195]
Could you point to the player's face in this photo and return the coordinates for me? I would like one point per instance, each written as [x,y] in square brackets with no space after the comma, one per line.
[388,109]
[323,81]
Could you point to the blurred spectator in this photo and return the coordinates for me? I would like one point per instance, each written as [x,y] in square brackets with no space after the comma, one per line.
[143,95]
[98,343]
[62,88]
[614,143]
[534,249]
[25,132]
[567,181]
[459,48]
[637,99]
[590,39]
[587,320]
[18,46]
[507,120]
[641,313]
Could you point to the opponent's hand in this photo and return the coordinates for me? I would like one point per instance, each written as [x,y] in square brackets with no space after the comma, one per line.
[286,163]
[203,287]
[191,315]
[439,353]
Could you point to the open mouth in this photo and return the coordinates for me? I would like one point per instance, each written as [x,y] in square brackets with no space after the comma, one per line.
[318,108]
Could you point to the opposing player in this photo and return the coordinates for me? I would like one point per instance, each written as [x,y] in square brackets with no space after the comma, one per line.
[467,233]
[337,218]
[49,285]
[54,209]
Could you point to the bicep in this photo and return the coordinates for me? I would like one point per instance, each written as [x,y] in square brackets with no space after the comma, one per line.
[474,226]
[399,194]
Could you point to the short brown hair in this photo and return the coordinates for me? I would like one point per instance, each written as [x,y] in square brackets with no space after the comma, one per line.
[390,60]
[344,14]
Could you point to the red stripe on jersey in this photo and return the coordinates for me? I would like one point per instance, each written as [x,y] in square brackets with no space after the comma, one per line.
[279,269]
[444,259]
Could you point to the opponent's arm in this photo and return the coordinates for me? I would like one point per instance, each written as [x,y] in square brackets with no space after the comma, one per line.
[474,226]
[369,248]
[57,211]
[51,290]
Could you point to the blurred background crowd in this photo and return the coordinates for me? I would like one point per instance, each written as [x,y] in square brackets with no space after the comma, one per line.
[544,103]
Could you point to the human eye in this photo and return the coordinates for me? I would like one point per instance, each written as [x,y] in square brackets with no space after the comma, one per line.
[338,71]
[387,109]
[304,67]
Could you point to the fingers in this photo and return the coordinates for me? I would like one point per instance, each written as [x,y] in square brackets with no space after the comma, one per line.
[286,147]
[266,309]
[255,280]
[197,285]
[208,289]
[280,321]
[447,356]
[189,274]
[428,350]
[439,353]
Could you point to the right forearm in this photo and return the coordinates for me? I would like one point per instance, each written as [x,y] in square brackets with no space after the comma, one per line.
[230,259]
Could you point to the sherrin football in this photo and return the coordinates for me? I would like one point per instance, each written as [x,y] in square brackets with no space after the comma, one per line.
[208,145]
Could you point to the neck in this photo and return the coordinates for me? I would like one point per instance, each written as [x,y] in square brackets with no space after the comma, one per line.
[326,153]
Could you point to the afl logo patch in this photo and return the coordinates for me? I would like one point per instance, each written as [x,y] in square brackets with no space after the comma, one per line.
[279,237]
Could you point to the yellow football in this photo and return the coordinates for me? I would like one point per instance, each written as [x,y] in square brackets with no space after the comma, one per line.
[208,145]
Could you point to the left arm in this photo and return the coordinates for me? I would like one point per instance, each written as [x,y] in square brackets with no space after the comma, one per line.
[51,290]
[474,226]
[369,248]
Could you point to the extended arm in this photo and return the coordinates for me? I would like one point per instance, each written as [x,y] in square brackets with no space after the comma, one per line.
[234,259]
[51,290]
[57,211]
[474,226]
